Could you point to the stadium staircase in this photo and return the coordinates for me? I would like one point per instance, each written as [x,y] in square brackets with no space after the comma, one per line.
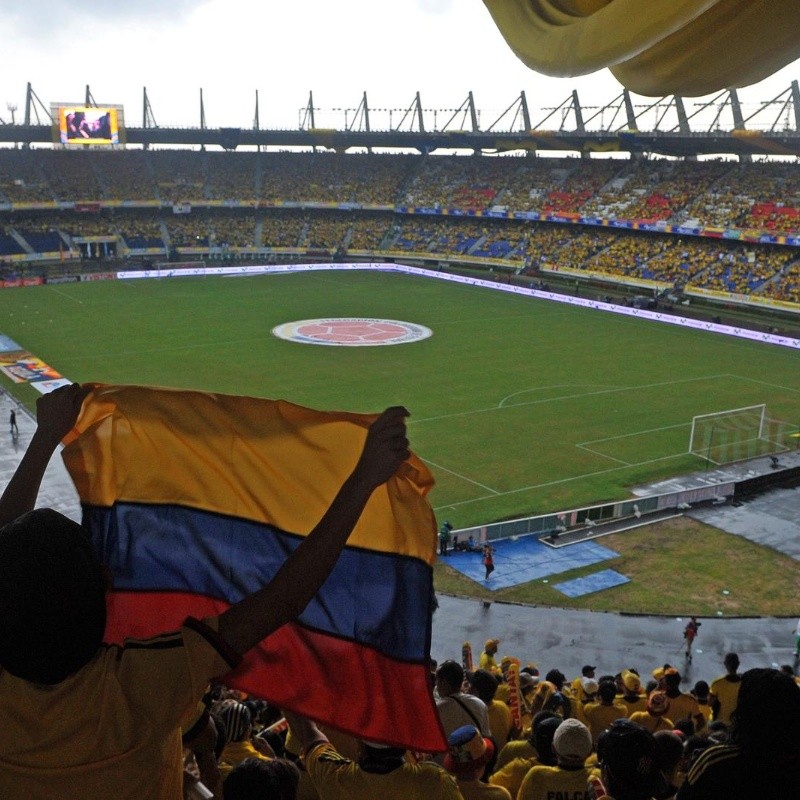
[20,240]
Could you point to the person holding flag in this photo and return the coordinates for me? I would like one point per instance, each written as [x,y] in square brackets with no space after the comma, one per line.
[119,709]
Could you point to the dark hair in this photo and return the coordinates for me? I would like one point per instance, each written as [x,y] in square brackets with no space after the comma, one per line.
[766,719]
[692,748]
[731,659]
[537,720]
[222,734]
[672,680]
[484,684]
[556,677]
[543,739]
[607,691]
[451,673]
[669,750]
[259,779]
[685,726]
[52,597]
[628,755]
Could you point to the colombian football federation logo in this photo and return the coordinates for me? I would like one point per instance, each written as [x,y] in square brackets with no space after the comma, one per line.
[352,332]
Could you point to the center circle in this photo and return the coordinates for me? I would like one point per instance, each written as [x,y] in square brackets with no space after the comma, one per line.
[352,331]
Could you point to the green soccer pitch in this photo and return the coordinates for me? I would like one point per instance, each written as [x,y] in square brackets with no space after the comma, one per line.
[519,406]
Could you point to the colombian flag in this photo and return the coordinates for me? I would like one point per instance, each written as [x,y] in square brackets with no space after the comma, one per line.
[194,500]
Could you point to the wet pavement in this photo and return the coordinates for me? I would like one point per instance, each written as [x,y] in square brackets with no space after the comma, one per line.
[553,637]
[568,639]
[771,519]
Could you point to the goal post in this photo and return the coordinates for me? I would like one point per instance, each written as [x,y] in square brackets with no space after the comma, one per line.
[737,434]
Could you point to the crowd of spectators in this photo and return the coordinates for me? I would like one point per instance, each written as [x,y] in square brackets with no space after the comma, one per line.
[759,196]
[234,229]
[368,232]
[21,177]
[71,175]
[632,735]
[125,175]
[365,178]
[282,229]
[326,231]
[717,193]
[232,177]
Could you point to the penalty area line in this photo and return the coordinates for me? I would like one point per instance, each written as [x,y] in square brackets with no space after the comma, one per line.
[557,482]
[459,475]
[64,294]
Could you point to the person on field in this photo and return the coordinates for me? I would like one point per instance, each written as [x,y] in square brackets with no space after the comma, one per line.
[78,715]
[488,560]
[689,635]
[444,538]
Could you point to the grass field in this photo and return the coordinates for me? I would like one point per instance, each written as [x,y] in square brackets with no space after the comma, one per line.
[520,406]
[679,566]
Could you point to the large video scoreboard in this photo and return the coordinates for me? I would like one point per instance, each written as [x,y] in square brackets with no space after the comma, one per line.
[81,125]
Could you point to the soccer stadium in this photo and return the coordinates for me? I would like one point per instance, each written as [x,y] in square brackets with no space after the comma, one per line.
[595,330]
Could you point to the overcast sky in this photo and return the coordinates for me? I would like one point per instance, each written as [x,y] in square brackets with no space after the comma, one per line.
[231,48]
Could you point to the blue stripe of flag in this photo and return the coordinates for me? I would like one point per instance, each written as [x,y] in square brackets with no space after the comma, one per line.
[371,597]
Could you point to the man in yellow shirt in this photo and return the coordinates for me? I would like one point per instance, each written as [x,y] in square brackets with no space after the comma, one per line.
[587,671]
[599,716]
[682,705]
[570,777]
[487,660]
[633,698]
[655,717]
[725,689]
[512,772]
[467,758]
[484,685]
[380,772]
[78,716]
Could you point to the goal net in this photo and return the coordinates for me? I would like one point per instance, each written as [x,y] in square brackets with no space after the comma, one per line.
[738,434]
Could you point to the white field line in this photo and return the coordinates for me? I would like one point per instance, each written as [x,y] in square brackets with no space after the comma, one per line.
[603,455]
[765,383]
[571,397]
[635,433]
[544,388]
[64,294]
[585,445]
[559,481]
[459,475]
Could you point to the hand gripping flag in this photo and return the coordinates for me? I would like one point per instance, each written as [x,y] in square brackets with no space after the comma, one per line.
[194,500]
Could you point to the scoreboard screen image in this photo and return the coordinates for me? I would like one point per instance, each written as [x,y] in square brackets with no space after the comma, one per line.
[80,125]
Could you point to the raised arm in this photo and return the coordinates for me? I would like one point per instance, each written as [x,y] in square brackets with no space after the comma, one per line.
[252,619]
[305,731]
[56,414]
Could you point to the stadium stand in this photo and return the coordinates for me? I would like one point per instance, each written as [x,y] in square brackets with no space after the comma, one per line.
[465,208]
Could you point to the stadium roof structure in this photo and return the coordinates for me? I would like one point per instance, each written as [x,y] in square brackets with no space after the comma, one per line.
[626,124]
